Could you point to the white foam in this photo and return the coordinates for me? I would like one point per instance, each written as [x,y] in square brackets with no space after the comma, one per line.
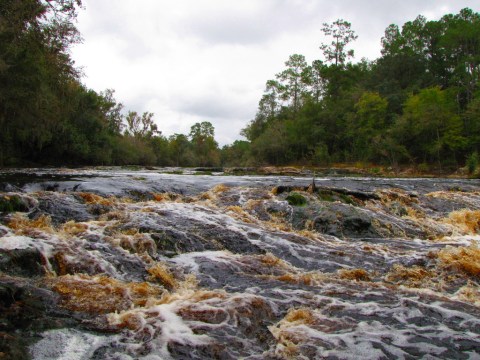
[189,260]
[66,344]
[16,243]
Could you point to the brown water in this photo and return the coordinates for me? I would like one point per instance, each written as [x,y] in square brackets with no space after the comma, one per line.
[141,265]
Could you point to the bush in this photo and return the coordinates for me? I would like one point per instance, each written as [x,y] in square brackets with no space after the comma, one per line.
[11,204]
[472,163]
[295,199]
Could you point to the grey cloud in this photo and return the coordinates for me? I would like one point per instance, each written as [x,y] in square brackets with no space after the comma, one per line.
[215,106]
[264,22]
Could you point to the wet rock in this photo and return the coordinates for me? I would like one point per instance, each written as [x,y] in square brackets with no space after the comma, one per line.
[270,170]
[398,209]
[25,262]
[182,351]
[194,235]
[61,208]
[277,207]
[170,243]
[22,304]
[26,310]
[327,193]
[443,206]
[98,209]
[240,170]
[340,220]
[260,210]
[202,238]
[230,240]
[9,187]
[209,169]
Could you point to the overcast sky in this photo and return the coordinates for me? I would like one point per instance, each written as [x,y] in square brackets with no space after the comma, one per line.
[189,61]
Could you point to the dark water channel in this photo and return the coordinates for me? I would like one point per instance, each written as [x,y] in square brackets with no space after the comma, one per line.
[150,264]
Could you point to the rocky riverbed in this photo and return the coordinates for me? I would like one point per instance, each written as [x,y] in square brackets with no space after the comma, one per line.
[118,264]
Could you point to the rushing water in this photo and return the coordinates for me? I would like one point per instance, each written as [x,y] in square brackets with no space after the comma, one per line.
[116,264]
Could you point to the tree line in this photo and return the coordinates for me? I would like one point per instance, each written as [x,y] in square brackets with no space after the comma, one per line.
[47,116]
[419,103]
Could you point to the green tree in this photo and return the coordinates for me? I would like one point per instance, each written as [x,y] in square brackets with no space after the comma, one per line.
[471,119]
[202,137]
[431,127]
[35,70]
[294,80]
[141,126]
[180,149]
[236,154]
[461,44]
[271,146]
[112,111]
[342,34]
[317,81]
[369,122]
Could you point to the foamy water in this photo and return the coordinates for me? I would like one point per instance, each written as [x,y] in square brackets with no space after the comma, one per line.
[226,271]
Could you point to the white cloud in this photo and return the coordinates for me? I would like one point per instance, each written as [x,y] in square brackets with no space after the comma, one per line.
[208,60]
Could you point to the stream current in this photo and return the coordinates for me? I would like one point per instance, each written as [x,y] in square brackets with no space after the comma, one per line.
[118,264]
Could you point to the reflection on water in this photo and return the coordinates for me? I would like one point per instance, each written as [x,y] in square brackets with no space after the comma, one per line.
[129,265]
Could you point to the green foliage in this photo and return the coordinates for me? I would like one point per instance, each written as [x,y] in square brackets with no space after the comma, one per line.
[472,163]
[296,199]
[419,103]
[204,146]
[430,126]
[11,204]
[236,154]
[342,34]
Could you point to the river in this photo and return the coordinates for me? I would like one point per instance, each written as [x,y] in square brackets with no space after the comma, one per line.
[172,264]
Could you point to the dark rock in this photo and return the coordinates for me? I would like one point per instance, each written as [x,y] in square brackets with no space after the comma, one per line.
[276,207]
[61,208]
[344,221]
[170,243]
[6,187]
[22,262]
[240,170]
[98,209]
[209,169]
[26,310]
[183,351]
[230,240]
[202,237]
[398,209]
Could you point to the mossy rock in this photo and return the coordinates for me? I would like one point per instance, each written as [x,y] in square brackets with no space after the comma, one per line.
[296,199]
[12,203]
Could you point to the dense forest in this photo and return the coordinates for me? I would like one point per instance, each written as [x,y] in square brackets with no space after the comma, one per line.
[418,104]
[47,116]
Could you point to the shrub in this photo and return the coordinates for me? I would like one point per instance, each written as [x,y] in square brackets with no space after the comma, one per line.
[472,163]
[295,199]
